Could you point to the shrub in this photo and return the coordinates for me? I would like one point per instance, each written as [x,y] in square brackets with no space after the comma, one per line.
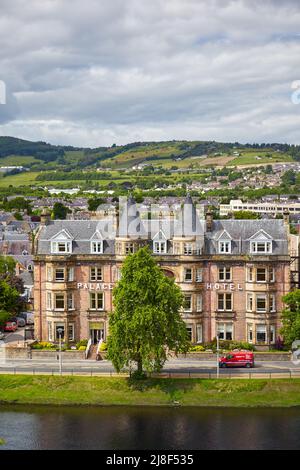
[43,345]
[81,348]
[228,345]
[197,348]
[103,347]
[83,342]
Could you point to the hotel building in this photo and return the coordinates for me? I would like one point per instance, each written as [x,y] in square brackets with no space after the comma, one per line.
[233,273]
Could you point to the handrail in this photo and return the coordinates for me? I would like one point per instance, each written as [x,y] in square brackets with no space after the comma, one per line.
[88,347]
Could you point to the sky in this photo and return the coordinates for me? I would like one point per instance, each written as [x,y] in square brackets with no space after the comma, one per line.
[98,72]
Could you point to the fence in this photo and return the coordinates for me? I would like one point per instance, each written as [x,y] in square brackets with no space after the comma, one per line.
[289,374]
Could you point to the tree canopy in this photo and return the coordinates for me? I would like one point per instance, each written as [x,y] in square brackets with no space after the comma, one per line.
[146,322]
[291,317]
[59,211]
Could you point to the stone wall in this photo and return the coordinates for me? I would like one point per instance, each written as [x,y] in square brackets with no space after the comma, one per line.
[258,356]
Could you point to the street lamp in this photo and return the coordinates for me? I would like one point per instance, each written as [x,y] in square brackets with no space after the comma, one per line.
[60,333]
[218,366]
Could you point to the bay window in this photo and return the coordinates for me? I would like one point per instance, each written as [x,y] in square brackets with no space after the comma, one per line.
[261,334]
[70,300]
[272,334]
[59,301]
[188,276]
[187,306]
[199,333]
[261,303]
[261,275]
[71,332]
[59,274]
[199,303]
[225,331]
[199,275]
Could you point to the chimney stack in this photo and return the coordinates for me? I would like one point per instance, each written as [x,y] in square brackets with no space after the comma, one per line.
[286,217]
[209,221]
[45,217]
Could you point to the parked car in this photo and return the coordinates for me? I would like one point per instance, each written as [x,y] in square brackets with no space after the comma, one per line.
[28,317]
[10,326]
[19,321]
[237,359]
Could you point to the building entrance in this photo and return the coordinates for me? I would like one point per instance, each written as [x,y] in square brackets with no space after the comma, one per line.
[96,332]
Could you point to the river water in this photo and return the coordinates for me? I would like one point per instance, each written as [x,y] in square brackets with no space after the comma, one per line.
[118,428]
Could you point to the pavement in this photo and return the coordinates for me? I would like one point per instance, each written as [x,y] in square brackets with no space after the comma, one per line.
[182,366]
[173,366]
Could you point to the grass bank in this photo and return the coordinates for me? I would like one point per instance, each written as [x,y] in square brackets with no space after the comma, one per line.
[100,391]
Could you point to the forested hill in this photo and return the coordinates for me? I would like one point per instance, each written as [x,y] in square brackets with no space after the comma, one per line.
[14,146]
[44,156]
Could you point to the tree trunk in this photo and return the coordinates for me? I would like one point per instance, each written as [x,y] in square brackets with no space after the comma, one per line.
[139,364]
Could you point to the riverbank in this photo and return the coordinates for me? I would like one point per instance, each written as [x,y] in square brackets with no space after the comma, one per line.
[48,390]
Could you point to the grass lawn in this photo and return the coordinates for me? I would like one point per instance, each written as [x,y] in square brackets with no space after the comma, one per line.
[121,391]
[22,179]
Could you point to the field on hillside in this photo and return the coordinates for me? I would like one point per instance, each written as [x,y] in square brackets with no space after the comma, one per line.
[139,154]
[22,179]
[17,160]
[253,157]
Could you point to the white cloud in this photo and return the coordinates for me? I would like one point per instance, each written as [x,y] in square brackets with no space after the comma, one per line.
[94,73]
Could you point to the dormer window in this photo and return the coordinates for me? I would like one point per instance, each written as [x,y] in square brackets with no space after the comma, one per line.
[159,243]
[225,246]
[97,247]
[224,243]
[61,243]
[261,247]
[261,243]
[61,247]
[159,247]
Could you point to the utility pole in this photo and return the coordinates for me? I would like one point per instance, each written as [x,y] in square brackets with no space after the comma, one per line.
[218,367]
[60,332]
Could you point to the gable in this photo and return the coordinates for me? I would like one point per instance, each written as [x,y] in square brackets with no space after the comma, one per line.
[63,235]
[261,235]
[160,236]
[224,236]
[97,236]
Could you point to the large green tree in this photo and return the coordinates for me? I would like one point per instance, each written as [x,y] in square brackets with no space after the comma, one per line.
[291,317]
[7,265]
[59,211]
[146,321]
[9,297]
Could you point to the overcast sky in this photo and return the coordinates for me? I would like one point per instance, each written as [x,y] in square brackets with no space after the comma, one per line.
[98,72]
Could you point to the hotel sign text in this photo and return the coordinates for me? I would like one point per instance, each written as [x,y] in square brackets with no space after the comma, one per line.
[223,286]
[94,286]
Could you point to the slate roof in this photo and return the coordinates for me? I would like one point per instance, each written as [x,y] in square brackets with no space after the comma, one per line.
[239,231]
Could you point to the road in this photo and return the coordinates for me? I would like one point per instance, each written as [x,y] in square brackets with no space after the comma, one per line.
[183,366]
[173,366]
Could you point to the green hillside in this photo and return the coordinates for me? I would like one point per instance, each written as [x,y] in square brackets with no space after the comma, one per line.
[166,162]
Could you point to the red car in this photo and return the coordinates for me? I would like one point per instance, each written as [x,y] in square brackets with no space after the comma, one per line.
[237,359]
[10,326]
